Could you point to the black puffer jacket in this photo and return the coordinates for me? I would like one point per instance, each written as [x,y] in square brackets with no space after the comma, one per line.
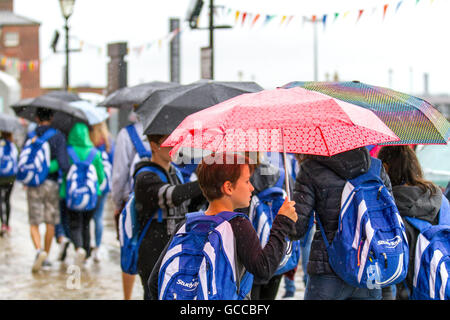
[318,188]
[412,201]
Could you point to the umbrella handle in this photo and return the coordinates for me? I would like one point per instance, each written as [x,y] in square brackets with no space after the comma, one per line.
[286,176]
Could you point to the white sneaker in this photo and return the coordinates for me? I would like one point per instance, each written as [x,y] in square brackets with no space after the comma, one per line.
[95,255]
[41,255]
[80,257]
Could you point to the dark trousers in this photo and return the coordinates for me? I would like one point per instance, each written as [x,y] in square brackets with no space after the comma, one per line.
[5,206]
[151,247]
[79,229]
[266,291]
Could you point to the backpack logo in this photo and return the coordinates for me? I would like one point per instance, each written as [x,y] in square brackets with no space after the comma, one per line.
[390,243]
[191,286]
[34,160]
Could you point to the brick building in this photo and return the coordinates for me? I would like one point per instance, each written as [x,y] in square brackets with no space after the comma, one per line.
[19,49]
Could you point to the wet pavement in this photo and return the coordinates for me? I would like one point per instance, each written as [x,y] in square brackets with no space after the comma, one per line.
[64,280]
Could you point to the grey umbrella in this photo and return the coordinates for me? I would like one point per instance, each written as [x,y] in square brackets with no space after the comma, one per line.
[165,109]
[134,96]
[9,123]
[63,95]
[65,115]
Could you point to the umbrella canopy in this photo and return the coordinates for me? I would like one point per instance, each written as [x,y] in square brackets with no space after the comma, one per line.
[93,113]
[9,123]
[164,110]
[413,120]
[434,160]
[134,96]
[292,120]
[63,95]
[65,115]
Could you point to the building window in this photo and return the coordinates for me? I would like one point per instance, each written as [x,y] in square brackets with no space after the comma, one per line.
[11,39]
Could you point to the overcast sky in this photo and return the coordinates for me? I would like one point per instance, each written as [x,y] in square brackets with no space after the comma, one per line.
[410,41]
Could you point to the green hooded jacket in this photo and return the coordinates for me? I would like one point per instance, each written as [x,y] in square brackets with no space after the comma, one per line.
[79,139]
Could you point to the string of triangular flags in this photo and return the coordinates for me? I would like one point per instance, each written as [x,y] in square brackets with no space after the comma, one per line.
[138,49]
[251,19]
[159,42]
[17,64]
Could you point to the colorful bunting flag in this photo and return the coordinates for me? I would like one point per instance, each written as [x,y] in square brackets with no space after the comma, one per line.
[359,15]
[255,19]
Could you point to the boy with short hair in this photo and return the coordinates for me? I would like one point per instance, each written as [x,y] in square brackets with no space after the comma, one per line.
[225,182]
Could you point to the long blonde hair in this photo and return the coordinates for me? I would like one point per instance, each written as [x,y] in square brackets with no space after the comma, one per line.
[99,134]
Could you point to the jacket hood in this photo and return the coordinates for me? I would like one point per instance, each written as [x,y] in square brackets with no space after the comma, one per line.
[413,202]
[349,164]
[79,136]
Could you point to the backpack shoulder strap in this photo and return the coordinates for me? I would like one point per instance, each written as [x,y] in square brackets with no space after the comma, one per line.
[153,169]
[91,156]
[444,212]
[280,181]
[73,155]
[373,173]
[419,224]
[48,134]
[163,178]
[137,142]
[179,174]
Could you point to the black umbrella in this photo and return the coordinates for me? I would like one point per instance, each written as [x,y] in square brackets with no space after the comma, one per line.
[9,123]
[63,95]
[65,115]
[134,96]
[165,109]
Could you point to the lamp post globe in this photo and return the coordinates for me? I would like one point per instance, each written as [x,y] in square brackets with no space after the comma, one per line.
[66,7]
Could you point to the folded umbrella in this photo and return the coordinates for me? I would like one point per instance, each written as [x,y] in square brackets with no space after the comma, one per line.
[65,115]
[282,120]
[134,96]
[413,120]
[164,110]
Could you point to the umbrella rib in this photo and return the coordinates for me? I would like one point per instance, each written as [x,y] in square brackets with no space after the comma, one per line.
[324,141]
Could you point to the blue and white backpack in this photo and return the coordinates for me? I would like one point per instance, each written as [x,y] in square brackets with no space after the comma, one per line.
[34,160]
[81,182]
[370,248]
[200,262]
[8,158]
[130,232]
[432,258]
[263,208]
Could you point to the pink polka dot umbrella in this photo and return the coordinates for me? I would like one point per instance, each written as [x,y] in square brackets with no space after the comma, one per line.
[292,120]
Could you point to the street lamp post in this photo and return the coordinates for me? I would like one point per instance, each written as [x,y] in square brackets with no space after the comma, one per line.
[67,10]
